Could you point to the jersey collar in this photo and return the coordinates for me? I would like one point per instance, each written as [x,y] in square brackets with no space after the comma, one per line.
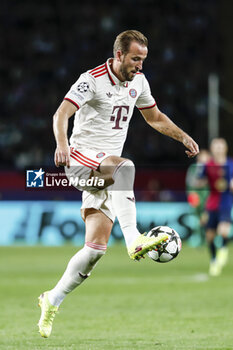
[114,80]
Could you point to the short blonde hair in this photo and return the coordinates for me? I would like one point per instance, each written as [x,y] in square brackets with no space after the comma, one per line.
[124,39]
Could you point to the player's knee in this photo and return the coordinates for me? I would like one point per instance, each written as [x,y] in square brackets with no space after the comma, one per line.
[210,235]
[129,163]
[223,229]
[126,168]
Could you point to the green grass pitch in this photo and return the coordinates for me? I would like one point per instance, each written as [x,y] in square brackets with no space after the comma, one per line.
[124,305]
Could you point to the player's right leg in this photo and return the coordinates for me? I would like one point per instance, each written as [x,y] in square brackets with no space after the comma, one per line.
[98,229]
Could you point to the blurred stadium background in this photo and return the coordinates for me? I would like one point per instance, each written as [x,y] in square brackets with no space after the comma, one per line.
[45,45]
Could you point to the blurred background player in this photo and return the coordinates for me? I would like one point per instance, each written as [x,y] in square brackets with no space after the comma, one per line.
[218,173]
[103,99]
[197,196]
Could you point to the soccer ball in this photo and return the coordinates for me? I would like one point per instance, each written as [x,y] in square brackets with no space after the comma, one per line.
[169,249]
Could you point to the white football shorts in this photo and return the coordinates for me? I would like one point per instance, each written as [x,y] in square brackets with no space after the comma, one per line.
[82,162]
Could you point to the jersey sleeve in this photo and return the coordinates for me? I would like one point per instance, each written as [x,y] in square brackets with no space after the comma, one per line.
[81,91]
[145,99]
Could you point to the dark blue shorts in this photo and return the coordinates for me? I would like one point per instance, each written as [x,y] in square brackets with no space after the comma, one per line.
[217,216]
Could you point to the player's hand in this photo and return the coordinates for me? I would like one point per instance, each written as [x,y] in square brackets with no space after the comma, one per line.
[62,156]
[191,145]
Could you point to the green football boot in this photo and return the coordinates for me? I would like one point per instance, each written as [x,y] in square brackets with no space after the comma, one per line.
[48,312]
[144,244]
[215,268]
[222,256]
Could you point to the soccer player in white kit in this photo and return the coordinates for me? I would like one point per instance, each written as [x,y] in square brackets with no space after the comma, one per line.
[103,100]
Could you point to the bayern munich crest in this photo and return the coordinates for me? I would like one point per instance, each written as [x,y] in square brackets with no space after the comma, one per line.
[100,155]
[133,93]
[83,87]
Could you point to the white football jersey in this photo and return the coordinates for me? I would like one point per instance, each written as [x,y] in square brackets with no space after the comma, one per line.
[105,107]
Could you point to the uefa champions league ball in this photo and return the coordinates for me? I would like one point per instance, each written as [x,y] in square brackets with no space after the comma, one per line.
[168,250]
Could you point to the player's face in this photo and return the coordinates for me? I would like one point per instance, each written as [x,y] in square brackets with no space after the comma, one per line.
[132,62]
[203,157]
[218,147]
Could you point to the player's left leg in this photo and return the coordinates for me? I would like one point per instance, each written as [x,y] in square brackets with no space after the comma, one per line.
[123,174]
[98,229]
[223,229]
[123,202]
[118,172]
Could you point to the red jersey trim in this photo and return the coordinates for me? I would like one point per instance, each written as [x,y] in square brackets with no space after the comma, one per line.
[99,75]
[85,158]
[99,71]
[74,103]
[147,107]
[112,81]
[97,68]
[96,246]
[83,163]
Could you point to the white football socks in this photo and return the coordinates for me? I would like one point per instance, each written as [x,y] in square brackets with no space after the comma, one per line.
[123,200]
[78,269]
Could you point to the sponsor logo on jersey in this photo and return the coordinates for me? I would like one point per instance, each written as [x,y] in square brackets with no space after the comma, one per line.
[35,178]
[133,93]
[100,155]
[83,87]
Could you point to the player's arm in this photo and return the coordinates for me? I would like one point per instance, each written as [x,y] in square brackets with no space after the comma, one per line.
[60,127]
[160,122]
